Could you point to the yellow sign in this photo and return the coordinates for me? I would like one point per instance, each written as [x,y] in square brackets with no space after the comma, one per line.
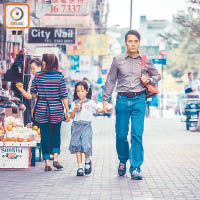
[89,45]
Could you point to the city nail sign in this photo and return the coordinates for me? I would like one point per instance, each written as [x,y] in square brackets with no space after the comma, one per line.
[51,35]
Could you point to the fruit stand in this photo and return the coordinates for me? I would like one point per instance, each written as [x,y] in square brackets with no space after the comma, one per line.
[18,144]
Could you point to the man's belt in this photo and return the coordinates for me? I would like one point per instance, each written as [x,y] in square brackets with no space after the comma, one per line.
[131,94]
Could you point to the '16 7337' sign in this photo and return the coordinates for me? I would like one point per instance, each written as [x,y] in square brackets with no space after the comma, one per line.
[51,35]
[69,7]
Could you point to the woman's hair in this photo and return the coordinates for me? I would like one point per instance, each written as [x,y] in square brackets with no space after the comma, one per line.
[37,61]
[51,61]
[85,86]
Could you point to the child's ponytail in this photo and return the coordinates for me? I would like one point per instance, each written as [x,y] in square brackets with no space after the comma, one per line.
[89,94]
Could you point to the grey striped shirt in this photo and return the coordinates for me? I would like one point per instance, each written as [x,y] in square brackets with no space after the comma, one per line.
[126,71]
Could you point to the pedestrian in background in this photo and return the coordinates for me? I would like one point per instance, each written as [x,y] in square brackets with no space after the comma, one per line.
[191,86]
[127,72]
[49,87]
[82,111]
[36,66]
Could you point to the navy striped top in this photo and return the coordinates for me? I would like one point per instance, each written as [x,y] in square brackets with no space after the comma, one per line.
[51,89]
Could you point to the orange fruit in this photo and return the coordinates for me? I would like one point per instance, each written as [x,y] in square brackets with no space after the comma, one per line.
[9,139]
[35,128]
[20,139]
[13,124]
[14,139]
[29,139]
[9,127]
[18,84]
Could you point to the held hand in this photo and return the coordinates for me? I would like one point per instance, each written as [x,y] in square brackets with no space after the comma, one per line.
[144,79]
[101,110]
[105,107]
[67,117]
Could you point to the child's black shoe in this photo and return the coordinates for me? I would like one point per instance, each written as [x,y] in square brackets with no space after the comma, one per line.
[88,167]
[80,172]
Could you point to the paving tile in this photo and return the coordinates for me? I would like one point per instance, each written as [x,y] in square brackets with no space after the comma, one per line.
[171,168]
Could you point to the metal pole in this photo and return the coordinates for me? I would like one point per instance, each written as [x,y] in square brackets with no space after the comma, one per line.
[131,14]
[162,106]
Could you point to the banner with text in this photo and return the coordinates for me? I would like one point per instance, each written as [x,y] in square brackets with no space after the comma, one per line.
[89,45]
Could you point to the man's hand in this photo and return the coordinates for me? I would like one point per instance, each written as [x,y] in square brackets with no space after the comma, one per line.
[105,107]
[101,110]
[145,79]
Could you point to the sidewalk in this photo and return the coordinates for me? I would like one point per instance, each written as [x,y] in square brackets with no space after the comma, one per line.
[171,169]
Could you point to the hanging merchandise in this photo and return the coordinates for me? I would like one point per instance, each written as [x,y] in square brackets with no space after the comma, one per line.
[15,73]
[20,72]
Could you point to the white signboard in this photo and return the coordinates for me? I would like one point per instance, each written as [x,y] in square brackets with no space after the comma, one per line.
[14,157]
[85,63]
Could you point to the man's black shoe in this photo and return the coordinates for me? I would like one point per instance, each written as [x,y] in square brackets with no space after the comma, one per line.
[122,169]
[136,174]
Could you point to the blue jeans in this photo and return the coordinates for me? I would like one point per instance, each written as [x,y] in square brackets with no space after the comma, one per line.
[126,108]
[50,132]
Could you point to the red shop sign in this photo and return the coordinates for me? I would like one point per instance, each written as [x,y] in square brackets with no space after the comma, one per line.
[69,7]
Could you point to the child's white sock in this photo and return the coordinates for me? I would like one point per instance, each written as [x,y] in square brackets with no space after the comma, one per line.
[80,165]
[87,160]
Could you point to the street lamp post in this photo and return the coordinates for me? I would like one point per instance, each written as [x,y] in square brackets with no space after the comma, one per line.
[131,14]
[162,49]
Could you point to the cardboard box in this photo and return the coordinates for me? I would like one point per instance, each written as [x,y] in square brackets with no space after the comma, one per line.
[15,154]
